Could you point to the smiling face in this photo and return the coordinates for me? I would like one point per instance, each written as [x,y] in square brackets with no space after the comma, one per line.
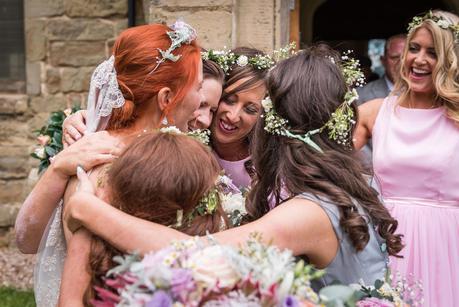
[212,92]
[237,114]
[420,61]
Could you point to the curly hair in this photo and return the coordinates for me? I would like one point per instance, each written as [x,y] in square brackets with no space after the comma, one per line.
[445,74]
[306,89]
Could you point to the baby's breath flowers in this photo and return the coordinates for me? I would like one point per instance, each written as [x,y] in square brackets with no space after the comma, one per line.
[440,21]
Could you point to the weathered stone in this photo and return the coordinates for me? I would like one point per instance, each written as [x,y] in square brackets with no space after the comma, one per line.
[213,27]
[35,41]
[43,8]
[14,161]
[76,99]
[11,104]
[76,79]
[12,190]
[33,71]
[36,122]
[53,80]
[13,132]
[64,29]
[77,53]
[109,46]
[120,26]
[190,3]
[8,213]
[48,103]
[100,8]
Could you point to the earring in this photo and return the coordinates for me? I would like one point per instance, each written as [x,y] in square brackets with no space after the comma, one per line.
[164,121]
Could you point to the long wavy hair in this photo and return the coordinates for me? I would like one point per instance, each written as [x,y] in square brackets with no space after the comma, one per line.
[445,74]
[136,50]
[306,89]
[156,176]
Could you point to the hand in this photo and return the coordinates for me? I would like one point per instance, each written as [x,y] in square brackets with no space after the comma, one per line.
[93,149]
[73,128]
[85,188]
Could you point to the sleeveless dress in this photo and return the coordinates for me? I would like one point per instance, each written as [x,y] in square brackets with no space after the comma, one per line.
[416,165]
[349,266]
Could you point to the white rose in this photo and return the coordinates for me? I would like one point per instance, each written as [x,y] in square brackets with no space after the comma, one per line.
[242,60]
[443,24]
[232,202]
[40,152]
[267,104]
[210,265]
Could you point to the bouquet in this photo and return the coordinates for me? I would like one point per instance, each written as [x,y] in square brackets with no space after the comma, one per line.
[50,138]
[198,273]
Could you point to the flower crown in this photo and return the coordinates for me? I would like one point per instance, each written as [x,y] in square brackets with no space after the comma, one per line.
[341,121]
[440,21]
[183,34]
[226,58]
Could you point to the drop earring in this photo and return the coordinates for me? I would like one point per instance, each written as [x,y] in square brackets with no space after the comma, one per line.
[164,121]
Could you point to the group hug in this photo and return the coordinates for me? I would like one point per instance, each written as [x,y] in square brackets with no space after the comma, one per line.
[139,169]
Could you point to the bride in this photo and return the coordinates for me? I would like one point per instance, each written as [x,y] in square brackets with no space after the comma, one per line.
[152,79]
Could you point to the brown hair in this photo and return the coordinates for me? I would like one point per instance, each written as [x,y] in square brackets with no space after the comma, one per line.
[157,175]
[212,70]
[135,51]
[306,89]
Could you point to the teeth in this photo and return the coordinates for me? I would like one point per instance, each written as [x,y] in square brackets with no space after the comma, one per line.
[420,71]
[228,126]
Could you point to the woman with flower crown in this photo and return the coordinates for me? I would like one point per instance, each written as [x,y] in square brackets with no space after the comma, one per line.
[416,155]
[153,78]
[334,219]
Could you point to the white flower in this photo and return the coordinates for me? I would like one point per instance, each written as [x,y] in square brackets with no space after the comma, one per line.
[40,152]
[212,266]
[443,24]
[170,129]
[232,202]
[242,60]
[267,104]
[68,111]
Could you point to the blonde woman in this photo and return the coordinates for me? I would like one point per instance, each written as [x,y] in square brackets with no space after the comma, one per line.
[416,155]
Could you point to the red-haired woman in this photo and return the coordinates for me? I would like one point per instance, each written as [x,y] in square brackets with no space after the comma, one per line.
[153,79]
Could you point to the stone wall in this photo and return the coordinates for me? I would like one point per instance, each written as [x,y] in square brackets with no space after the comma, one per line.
[65,40]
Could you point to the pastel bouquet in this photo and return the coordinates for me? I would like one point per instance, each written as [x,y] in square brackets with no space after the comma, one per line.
[204,273]
[199,273]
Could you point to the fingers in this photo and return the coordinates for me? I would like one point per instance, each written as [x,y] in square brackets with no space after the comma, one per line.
[85,185]
[73,133]
[102,159]
[67,140]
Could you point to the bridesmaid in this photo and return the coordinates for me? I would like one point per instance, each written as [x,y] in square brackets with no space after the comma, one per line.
[416,155]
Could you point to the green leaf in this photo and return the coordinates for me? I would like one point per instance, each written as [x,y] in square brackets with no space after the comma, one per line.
[379,283]
[50,151]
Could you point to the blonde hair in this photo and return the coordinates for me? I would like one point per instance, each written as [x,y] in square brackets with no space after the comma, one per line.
[445,74]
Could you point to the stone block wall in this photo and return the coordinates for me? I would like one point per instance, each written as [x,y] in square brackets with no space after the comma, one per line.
[64,41]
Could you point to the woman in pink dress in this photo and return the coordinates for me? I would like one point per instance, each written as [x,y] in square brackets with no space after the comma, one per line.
[416,156]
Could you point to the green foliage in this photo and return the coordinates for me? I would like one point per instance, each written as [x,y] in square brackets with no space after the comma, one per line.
[53,130]
[16,298]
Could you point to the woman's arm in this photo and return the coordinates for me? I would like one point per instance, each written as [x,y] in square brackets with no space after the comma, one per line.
[306,220]
[75,276]
[367,116]
[39,205]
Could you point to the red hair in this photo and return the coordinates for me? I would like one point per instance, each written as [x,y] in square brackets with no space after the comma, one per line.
[136,51]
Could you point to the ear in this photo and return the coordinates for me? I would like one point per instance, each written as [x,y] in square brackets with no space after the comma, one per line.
[164,98]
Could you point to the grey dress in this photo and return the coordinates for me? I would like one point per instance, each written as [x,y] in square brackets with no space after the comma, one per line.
[350,266]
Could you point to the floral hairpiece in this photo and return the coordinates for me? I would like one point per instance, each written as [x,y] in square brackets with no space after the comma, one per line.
[201,135]
[226,59]
[440,21]
[183,34]
[341,121]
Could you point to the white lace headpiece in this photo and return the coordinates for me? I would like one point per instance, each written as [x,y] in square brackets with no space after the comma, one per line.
[104,95]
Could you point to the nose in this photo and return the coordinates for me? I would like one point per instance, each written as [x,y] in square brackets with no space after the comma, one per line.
[233,114]
[421,58]
[203,121]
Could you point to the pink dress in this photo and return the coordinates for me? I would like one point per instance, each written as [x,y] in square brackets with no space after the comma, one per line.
[236,171]
[416,165]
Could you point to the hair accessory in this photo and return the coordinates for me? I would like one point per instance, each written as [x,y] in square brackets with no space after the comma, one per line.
[202,135]
[104,95]
[439,20]
[339,125]
[183,34]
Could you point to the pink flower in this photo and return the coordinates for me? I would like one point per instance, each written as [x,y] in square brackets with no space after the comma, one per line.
[43,139]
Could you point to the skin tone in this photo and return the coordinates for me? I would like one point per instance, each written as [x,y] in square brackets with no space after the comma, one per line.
[235,118]
[419,62]
[391,59]
[212,91]
[128,233]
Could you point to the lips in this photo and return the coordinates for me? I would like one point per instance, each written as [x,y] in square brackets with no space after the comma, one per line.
[227,127]
[417,73]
